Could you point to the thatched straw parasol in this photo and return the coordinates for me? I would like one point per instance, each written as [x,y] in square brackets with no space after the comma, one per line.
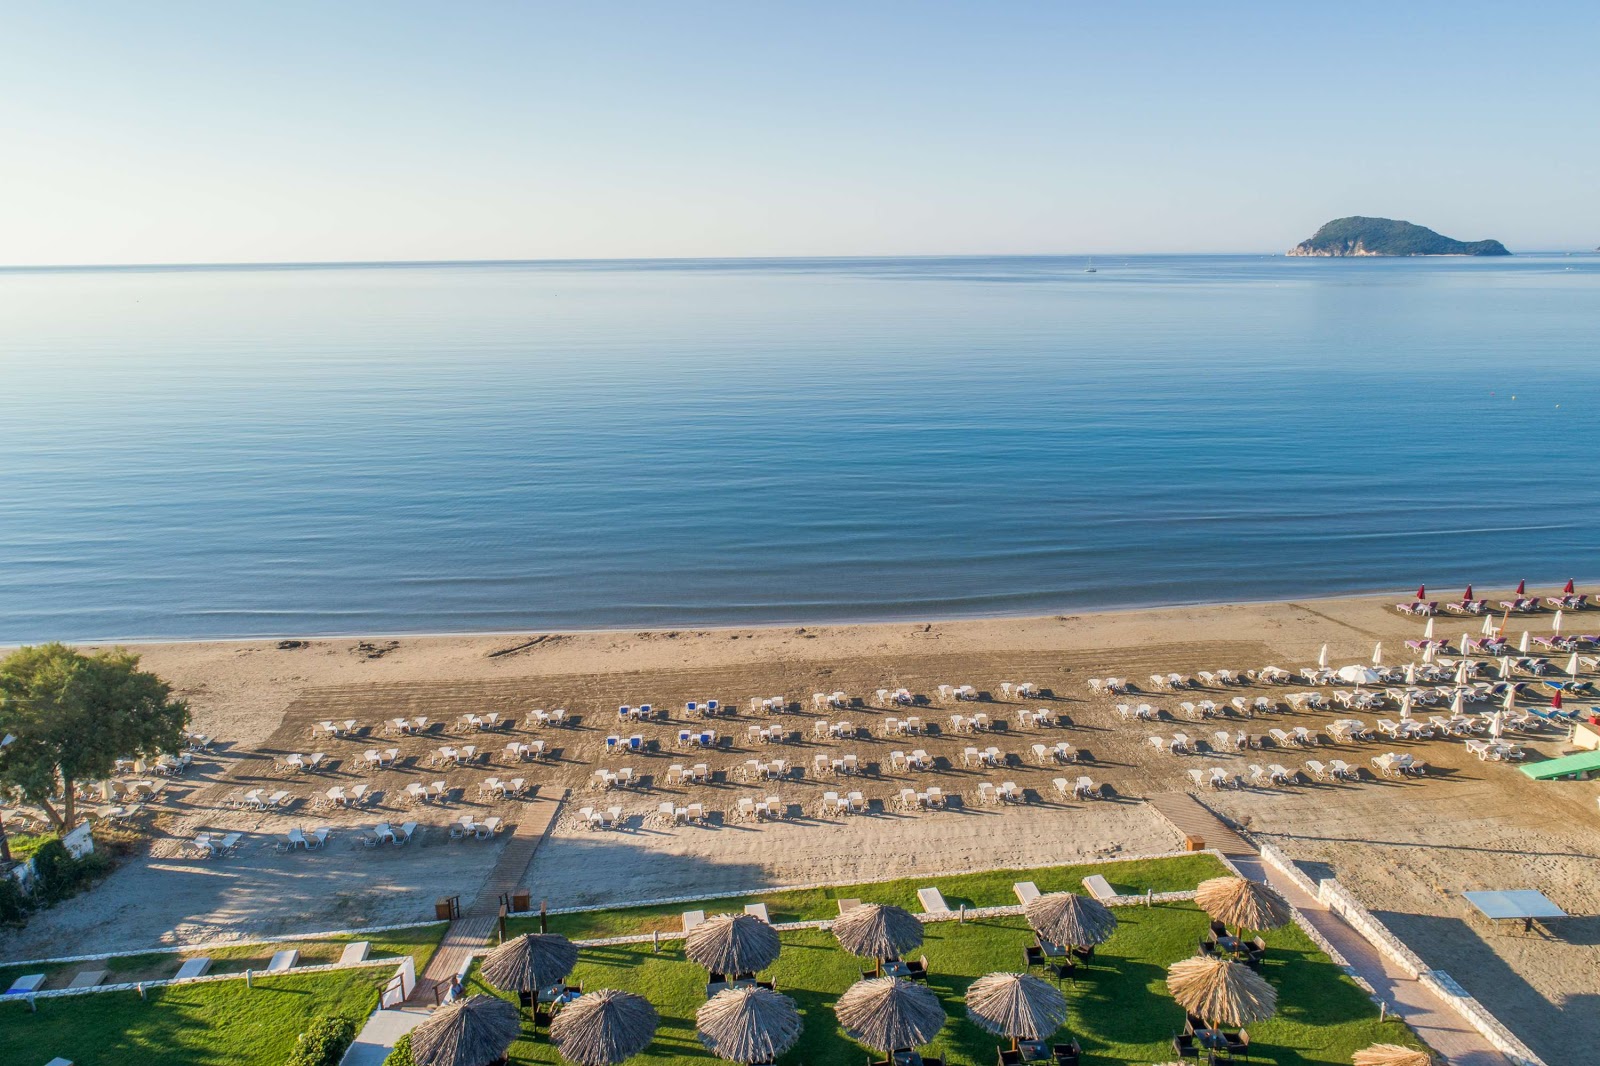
[1242,903]
[469,1032]
[888,1014]
[603,1027]
[530,962]
[748,1025]
[1017,1005]
[1391,1055]
[733,944]
[878,931]
[1221,991]
[1070,919]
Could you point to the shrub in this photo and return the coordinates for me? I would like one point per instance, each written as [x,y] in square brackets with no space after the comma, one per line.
[401,1055]
[323,1043]
[13,903]
[60,875]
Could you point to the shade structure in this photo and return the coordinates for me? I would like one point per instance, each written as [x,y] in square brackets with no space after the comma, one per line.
[1070,919]
[1358,675]
[1391,1055]
[1017,1005]
[733,944]
[888,1014]
[878,931]
[1243,903]
[1221,991]
[748,1025]
[604,1027]
[470,1032]
[530,962]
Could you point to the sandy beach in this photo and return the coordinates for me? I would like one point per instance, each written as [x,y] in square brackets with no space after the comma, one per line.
[1408,848]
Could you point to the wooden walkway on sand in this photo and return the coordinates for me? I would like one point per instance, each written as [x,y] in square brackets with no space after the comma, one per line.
[1439,1026]
[473,930]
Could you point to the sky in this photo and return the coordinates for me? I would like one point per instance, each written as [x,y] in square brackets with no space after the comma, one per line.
[202,132]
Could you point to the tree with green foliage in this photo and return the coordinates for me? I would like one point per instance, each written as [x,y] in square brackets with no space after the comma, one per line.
[72,716]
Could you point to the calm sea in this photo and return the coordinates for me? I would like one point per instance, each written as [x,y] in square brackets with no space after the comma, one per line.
[422,448]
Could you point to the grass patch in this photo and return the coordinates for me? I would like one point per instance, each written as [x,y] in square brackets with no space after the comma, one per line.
[986,889]
[1120,1013]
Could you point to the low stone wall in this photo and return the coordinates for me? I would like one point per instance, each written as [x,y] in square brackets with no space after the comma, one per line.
[1340,901]
[1477,1015]
[136,986]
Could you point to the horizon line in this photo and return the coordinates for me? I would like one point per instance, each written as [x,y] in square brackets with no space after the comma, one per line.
[333,264]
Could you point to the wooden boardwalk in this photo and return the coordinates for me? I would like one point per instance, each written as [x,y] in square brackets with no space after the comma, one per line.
[473,930]
[1192,818]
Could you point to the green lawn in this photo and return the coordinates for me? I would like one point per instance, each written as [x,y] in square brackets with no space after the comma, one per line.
[988,889]
[1120,1013]
[215,1024]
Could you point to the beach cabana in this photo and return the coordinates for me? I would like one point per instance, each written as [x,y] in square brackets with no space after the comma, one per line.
[889,1015]
[469,1032]
[1017,1005]
[748,1025]
[1070,920]
[1221,991]
[878,931]
[733,944]
[604,1028]
[530,962]
[1392,1055]
[1243,903]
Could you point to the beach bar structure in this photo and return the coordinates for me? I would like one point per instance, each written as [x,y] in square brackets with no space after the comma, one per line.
[1579,765]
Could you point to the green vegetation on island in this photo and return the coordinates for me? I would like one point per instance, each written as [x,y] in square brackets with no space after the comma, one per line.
[1362,236]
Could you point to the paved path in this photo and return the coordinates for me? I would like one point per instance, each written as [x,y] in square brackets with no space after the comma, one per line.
[1440,1027]
[378,1036]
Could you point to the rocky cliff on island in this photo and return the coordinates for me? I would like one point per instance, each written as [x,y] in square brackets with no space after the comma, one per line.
[1361,236]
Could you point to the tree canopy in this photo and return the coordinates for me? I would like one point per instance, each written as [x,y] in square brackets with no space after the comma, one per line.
[72,716]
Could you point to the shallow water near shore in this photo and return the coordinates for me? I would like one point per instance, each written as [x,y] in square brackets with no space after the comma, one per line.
[206,452]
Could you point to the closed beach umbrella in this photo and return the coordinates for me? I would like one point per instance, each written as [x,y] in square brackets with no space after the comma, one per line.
[1243,903]
[1572,665]
[1488,625]
[1422,592]
[1522,588]
[1322,657]
[888,1014]
[1461,672]
[604,1028]
[1567,591]
[1497,724]
[1506,662]
[733,944]
[1221,991]
[1459,702]
[1428,654]
[530,962]
[1468,595]
[1511,698]
[1555,702]
[1070,919]
[1377,654]
[1555,623]
[878,931]
[1427,632]
[469,1032]
[1017,1005]
[1522,642]
[1391,1055]
[1411,673]
[1405,705]
[748,1025]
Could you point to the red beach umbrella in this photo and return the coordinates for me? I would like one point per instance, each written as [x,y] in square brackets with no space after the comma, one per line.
[1422,592]
[1522,588]
[1468,596]
[1555,702]
[1568,590]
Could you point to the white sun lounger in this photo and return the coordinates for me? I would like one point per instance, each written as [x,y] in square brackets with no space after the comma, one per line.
[1099,887]
[195,967]
[757,910]
[1026,892]
[933,901]
[284,960]
[89,979]
[356,952]
[692,919]
[26,985]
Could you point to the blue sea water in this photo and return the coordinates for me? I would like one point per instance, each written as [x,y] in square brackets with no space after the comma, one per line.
[204,452]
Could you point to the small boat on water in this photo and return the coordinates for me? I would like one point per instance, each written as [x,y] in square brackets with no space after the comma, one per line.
[1090,268]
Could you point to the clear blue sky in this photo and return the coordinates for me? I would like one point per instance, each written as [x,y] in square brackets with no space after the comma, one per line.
[204,132]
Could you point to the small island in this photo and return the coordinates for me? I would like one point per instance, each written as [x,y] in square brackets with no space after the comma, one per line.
[1362,236]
